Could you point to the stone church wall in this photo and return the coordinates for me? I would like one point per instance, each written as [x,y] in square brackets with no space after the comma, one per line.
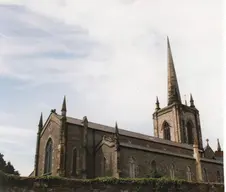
[74,141]
[211,170]
[156,145]
[18,184]
[143,160]
[51,131]
[75,133]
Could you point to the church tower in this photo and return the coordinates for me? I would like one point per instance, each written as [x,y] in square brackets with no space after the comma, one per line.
[176,122]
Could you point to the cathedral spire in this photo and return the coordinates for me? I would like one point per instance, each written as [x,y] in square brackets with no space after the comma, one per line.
[173,88]
[218,145]
[64,107]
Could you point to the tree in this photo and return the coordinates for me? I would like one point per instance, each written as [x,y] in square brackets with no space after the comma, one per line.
[7,167]
[2,162]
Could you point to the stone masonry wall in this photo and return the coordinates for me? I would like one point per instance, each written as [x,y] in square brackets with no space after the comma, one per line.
[50,184]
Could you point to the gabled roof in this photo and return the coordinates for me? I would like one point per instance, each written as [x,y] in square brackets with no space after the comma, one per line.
[124,132]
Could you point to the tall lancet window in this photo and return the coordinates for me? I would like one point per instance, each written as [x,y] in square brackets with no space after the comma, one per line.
[205,175]
[172,171]
[190,132]
[74,162]
[48,157]
[132,168]
[166,131]
[189,173]
[218,177]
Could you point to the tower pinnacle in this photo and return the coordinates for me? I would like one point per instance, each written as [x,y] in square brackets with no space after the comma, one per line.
[218,145]
[117,137]
[173,88]
[191,101]
[157,104]
[64,107]
[40,124]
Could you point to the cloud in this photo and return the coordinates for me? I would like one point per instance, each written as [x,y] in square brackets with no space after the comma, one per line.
[109,58]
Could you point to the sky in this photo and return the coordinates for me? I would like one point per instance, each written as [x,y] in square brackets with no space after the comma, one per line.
[109,57]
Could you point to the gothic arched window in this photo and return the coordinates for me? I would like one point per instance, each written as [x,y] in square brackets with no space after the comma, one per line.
[48,157]
[132,168]
[190,132]
[218,177]
[189,173]
[172,171]
[205,175]
[184,131]
[166,131]
[74,161]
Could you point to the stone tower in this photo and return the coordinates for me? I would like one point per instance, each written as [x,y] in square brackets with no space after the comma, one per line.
[176,122]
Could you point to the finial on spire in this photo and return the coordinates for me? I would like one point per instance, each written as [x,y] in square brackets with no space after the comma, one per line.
[191,101]
[40,125]
[207,141]
[218,145]
[173,88]
[157,104]
[64,107]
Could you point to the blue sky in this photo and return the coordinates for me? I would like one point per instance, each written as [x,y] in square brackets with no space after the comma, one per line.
[109,59]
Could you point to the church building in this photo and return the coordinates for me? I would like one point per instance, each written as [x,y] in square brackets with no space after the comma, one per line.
[77,148]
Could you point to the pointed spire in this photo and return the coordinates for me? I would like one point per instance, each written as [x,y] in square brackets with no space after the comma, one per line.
[40,124]
[191,101]
[157,104]
[64,107]
[218,145]
[173,88]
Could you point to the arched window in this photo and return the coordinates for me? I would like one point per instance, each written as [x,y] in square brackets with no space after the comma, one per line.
[132,168]
[153,166]
[166,131]
[190,132]
[218,177]
[74,162]
[184,131]
[48,157]
[172,171]
[189,173]
[205,175]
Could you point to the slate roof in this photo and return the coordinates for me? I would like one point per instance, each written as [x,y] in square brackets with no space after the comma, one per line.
[127,133]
